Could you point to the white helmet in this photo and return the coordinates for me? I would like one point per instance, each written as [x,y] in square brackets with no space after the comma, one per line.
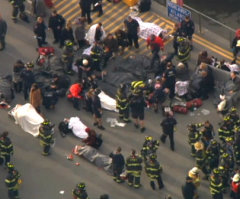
[85,62]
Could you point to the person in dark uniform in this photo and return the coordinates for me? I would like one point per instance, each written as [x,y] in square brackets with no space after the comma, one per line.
[134,169]
[168,129]
[188,190]
[18,5]
[193,137]
[117,164]
[170,79]
[216,185]
[56,23]
[85,6]
[153,170]
[50,96]
[122,103]
[149,148]
[84,65]
[3,32]
[68,56]
[138,104]
[46,136]
[17,80]
[12,181]
[97,110]
[80,192]
[97,6]
[28,79]
[6,147]
[132,28]
[97,55]
[188,28]
[40,31]
[66,34]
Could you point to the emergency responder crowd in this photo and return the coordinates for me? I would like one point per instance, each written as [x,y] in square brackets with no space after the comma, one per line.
[218,161]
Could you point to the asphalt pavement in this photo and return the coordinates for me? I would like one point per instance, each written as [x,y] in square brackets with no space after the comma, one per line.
[44,177]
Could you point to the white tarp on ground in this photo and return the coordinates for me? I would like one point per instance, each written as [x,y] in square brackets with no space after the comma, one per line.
[77,127]
[147,29]
[27,117]
[107,102]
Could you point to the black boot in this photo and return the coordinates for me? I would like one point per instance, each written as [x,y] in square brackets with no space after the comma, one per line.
[152,185]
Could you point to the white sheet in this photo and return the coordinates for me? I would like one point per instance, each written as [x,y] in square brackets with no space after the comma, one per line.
[77,127]
[28,118]
[107,102]
[147,29]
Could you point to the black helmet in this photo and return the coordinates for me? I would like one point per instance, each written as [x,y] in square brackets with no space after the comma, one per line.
[81,185]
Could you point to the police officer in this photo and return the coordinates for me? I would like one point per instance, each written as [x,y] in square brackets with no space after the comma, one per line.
[134,169]
[118,163]
[150,147]
[193,137]
[188,28]
[132,27]
[80,192]
[68,56]
[168,129]
[122,103]
[18,5]
[28,79]
[46,136]
[40,32]
[56,23]
[85,6]
[216,185]
[169,76]
[6,147]
[201,158]
[12,181]
[153,170]
[97,110]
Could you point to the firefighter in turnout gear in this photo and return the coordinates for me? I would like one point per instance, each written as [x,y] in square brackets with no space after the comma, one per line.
[213,154]
[226,129]
[68,56]
[236,149]
[216,185]
[153,170]
[122,103]
[201,158]
[227,161]
[12,181]
[134,169]
[6,147]
[150,147]
[137,87]
[18,5]
[206,133]
[193,137]
[80,192]
[224,173]
[46,136]
[97,56]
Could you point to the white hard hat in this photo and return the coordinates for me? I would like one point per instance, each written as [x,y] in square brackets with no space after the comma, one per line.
[194,170]
[85,62]
[236,178]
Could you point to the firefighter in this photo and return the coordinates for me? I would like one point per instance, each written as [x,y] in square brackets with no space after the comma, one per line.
[137,87]
[201,158]
[46,136]
[117,164]
[184,49]
[226,129]
[6,147]
[150,147]
[193,174]
[12,181]
[235,186]
[153,170]
[207,133]
[96,55]
[67,56]
[227,161]
[122,103]
[224,173]
[134,168]
[193,137]
[80,192]
[236,149]
[213,154]
[233,115]
[18,5]
[216,185]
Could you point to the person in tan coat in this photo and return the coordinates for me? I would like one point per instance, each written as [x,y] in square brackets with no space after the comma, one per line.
[36,97]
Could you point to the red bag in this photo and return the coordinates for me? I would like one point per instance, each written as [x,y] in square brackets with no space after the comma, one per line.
[45,50]
[49,3]
[180,109]
[194,103]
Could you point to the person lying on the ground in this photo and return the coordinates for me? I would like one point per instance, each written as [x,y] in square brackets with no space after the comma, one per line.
[74,125]
[95,157]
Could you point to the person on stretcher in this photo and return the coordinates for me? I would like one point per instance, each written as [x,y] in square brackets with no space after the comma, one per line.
[75,125]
